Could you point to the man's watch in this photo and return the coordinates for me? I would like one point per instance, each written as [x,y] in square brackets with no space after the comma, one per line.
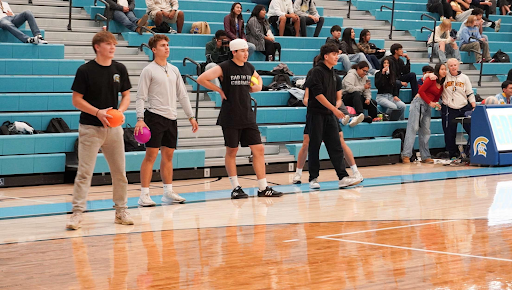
[140,118]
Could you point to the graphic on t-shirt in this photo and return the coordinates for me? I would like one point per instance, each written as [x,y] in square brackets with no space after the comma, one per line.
[117,78]
[241,80]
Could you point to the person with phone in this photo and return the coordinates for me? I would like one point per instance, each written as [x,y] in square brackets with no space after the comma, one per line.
[356,90]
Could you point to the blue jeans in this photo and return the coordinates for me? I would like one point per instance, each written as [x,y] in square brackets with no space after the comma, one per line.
[386,101]
[449,50]
[252,48]
[347,59]
[11,24]
[128,19]
[419,122]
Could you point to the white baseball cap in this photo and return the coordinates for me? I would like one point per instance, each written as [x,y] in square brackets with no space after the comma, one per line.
[237,44]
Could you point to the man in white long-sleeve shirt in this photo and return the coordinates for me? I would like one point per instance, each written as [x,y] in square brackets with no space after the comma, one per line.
[161,85]
[165,10]
[280,14]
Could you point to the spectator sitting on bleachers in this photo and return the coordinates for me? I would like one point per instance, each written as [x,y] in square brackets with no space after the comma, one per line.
[343,57]
[504,96]
[425,70]
[461,9]
[505,7]
[403,71]
[443,43]
[482,4]
[234,25]
[356,90]
[367,47]
[260,34]
[11,22]
[281,15]
[217,51]
[387,94]
[122,12]
[441,7]
[470,39]
[480,19]
[349,46]
[420,114]
[306,10]
[165,11]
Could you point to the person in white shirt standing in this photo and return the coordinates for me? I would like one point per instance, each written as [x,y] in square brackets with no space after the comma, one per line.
[161,85]
[280,14]
[166,10]
[11,22]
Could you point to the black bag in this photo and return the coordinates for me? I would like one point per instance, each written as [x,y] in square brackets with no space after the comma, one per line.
[4,129]
[130,144]
[400,133]
[282,78]
[294,102]
[57,125]
[500,56]
[162,28]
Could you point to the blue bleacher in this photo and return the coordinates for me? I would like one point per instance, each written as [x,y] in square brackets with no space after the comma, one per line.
[34,83]
[23,51]
[36,102]
[27,67]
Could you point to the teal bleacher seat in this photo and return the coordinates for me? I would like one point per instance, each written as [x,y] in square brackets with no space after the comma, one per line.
[385,14]
[29,164]
[30,51]
[371,5]
[502,78]
[36,102]
[181,159]
[360,148]
[41,67]
[496,68]
[37,143]
[39,84]
[7,37]
[281,115]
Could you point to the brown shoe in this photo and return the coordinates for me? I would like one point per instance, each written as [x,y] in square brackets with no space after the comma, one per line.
[143,21]
[428,160]
[406,159]
[138,30]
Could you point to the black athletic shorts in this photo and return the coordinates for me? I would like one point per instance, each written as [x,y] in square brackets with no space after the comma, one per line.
[246,136]
[164,132]
[306,129]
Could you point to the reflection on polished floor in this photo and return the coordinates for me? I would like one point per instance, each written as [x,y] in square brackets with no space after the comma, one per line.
[442,234]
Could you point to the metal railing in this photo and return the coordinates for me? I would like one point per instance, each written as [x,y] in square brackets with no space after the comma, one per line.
[198,71]
[198,66]
[70,11]
[481,62]
[392,17]
[197,95]
[432,44]
[101,16]
[349,4]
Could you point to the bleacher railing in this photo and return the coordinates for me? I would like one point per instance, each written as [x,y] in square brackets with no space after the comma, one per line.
[101,16]
[70,7]
[432,44]
[349,4]
[481,63]
[392,17]
[197,94]
[433,30]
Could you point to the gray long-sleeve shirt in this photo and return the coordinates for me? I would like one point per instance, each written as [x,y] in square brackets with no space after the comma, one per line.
[161,90]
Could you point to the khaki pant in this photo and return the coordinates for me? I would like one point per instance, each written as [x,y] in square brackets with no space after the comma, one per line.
[111,142]
[476,46]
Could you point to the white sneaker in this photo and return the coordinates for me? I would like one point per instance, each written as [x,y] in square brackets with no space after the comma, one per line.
[497,25]
[32,40]
[356,120]
[345,120]
[358,176]
[123,217]
[145,200]
[297,178]
[172,197]
[40,40]
[348,181]
[75,221]
[172,31]
[313,184]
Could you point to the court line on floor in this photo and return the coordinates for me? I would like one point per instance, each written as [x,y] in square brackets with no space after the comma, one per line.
[24,198]
[419,250]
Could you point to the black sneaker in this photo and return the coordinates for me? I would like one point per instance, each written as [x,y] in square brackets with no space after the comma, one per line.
[238,192]
[269,192]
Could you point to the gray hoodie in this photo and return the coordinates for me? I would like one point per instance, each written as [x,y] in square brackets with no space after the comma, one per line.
[353,83]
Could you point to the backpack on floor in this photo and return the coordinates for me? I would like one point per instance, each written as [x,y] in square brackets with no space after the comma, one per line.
[130,144]
[4,129]
[162,28]
[500,56]
[57,125]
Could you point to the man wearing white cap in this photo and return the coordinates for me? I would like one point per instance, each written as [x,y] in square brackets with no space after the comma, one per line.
[236,117]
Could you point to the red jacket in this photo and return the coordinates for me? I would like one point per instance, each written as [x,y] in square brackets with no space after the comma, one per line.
[231,28]
[429,91]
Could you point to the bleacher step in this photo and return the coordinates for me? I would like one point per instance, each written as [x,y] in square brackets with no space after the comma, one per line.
[54,3]
[40,10]
[118,57]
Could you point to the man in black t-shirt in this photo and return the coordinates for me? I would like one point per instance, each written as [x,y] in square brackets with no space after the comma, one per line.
[236,117]
[95,91]
[322,118]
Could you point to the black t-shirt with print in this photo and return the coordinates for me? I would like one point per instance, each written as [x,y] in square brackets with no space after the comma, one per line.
[100,86]
[236,111]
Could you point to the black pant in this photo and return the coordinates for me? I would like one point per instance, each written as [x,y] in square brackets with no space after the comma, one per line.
[326,128]
[409,78]
[450,128]
[305,20]
[373,60]
[271,48]
[485,8]
[443,9]
[356,100]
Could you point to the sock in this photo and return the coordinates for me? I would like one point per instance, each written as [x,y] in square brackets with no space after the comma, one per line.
[354,169]
[234,181]
[144,190]
[262,183]
[168,188]
[299,171]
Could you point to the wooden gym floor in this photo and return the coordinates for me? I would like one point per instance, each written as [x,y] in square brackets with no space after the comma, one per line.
[411,226]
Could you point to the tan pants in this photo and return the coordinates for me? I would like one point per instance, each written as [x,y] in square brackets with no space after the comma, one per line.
[111,142]
[476,46]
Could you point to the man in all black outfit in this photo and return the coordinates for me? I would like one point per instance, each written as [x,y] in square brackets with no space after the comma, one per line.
[403,70]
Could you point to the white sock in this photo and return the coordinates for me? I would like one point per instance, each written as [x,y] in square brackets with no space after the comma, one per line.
[234,181]
[168,188]
[299,171]
[262,183]
[144,190]
[354,169]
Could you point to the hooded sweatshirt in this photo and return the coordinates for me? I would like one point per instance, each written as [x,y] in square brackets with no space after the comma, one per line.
[457,91]
[354,83]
